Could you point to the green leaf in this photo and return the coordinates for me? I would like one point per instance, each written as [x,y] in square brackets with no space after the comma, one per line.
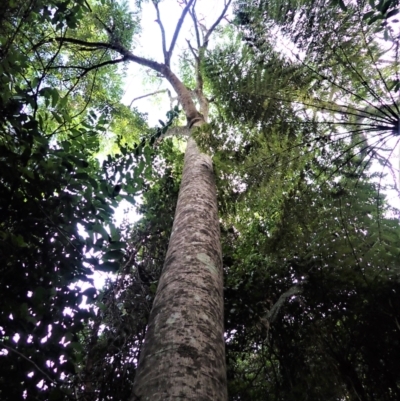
[115,235]
[117,245]
[140,168]
[55,96]
[63,101]
[56,394]
[76,346]
[392,13]
[147,153]
[98,228]
[81,176]
[57,117]
[113,255]
[18,240]
[374,19]
[368,15]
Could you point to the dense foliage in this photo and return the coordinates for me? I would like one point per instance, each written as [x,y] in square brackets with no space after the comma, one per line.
[311,247]
[52,187]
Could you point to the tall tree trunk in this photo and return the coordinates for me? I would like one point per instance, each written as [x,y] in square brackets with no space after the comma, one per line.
[184,352]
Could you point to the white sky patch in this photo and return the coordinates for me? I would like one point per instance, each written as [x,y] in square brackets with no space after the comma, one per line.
[141,81]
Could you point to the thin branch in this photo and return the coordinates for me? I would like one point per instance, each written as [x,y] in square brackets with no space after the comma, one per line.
[29,360]
[10,41]
[163,69]
[98,45]
[199,84]
[196,57]
[147,95]
[88,6]
[159,22]
[216,23]
[91,90]
[108,30]
[87,49]
[128,55]
[93,67]
[172,99]
[196,28]
[178,28]
[203,29]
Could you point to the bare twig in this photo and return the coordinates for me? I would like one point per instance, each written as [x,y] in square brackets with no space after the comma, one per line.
[88,6]
[193,51]
[148,95]
[87,49]
[219,19]
[87,69]
[178,28]
[29,360]
[163,69]
[159,22]
[109,30]
[196,28]
[128,55]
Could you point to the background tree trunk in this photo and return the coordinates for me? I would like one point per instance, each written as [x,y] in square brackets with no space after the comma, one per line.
[184,352]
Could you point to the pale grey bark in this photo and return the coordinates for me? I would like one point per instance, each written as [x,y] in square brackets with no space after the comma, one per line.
[184,353]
